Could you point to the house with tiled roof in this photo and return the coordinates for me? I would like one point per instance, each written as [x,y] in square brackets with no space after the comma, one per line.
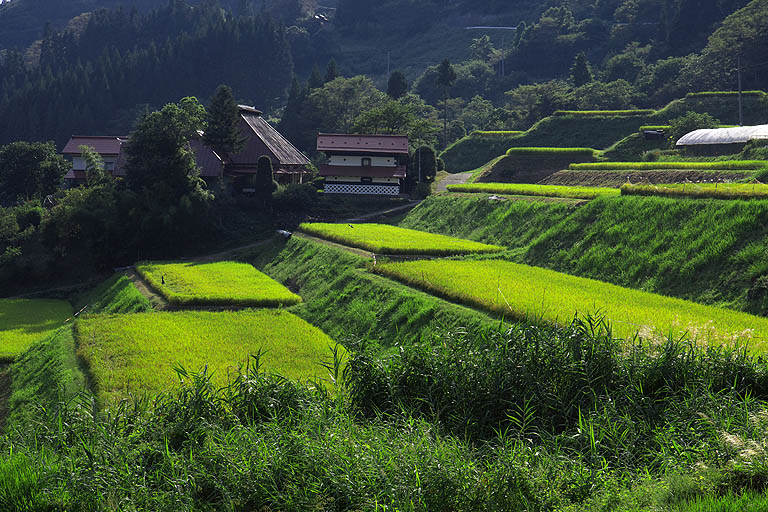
[363,164]
[261,139]
[108,147]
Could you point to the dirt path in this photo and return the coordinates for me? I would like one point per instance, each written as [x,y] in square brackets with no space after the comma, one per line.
[353,250]
[157,301]
[384,213]
[453,179]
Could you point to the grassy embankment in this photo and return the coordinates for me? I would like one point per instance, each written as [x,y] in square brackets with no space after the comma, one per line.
[708,251]
[524,292]
[223,283]
[137,353]
[530,165]
[524,189]
[24,321]
[356,307]
[115,295]
[386,239]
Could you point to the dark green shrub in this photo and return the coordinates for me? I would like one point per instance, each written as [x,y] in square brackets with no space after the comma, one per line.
[295,197]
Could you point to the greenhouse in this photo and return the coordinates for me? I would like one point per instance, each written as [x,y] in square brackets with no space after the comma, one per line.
[736,135]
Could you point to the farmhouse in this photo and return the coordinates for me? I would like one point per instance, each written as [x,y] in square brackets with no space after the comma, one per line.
[363,164]
[716,141]
[108,147]
[289,164]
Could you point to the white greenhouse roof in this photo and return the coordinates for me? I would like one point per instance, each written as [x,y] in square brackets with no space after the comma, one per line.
[737,135]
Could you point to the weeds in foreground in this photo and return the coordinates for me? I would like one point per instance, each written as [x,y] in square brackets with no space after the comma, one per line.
[533,418]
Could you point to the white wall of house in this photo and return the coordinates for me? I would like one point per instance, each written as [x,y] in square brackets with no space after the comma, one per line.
[78,163]
[376,161]
[359,179]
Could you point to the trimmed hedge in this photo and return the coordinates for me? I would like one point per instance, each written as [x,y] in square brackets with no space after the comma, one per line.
[525,189]
[619,113]
[661,127]
[497,133]
[552,151]
[733,165]
[711,94]
[700,190]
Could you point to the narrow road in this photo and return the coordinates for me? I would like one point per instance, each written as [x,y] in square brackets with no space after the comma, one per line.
[382,213]
[453,179]
[158,302]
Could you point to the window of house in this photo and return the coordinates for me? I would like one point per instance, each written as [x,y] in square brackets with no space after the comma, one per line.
[366,162]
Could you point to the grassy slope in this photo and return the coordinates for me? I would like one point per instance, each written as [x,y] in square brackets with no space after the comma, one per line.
[47,373]
[115,295]
[24,321]
[137,353]
[708,251]
[352,305]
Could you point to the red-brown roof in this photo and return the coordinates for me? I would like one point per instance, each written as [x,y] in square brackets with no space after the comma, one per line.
[390,144]
[262,139]
[368,171]
[109,145]
[206,158]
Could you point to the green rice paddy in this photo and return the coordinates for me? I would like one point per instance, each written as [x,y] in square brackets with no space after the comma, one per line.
[524,189]
[222,283]
[385,239]
[521,291]
[23,322]
[700,190]
[137,353]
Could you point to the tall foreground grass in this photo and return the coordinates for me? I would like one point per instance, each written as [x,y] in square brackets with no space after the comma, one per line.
[521,291]
[581,423]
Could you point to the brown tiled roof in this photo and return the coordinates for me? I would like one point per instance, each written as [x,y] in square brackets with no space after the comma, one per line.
[372,171]
[109,145]
[284,152]
[390,144]
[206,158]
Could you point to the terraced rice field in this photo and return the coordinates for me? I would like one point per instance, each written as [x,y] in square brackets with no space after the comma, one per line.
[215,284]
[385,239]
[23,322]
[520,291]
[700,190]
[535,190]
[137,353]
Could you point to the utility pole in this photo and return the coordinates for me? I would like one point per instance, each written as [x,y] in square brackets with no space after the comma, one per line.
[388,61]
[741,116]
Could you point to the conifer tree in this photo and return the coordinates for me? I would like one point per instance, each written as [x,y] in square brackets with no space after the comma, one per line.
[222,132]
[331,71]
[580,72]
[315,79]
[397,85]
